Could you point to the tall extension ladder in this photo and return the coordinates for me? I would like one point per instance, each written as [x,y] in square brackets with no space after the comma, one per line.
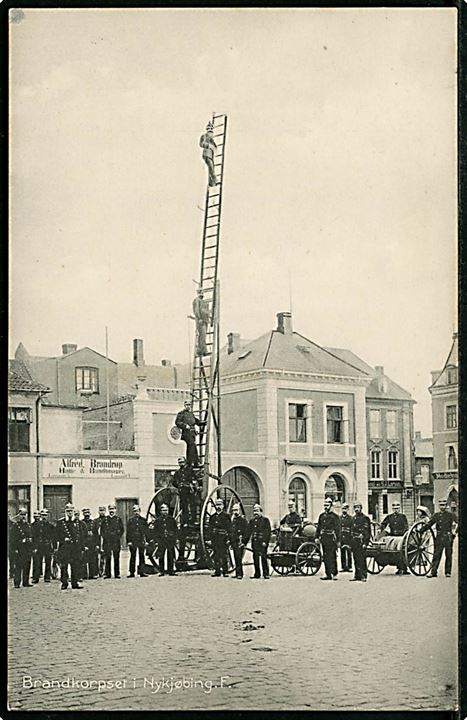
[205,379]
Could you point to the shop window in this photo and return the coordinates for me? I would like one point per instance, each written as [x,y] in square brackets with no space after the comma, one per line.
[297,492]
[451,417]
[393,463]
[375,462]
[375,424]
[335,424]
[297,423]
[19,422]
[87,379]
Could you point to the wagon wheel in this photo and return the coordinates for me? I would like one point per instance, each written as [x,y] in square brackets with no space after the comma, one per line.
[230,497]
[373,566]
[308,558]
[151,514]
[277,566]
[418,549]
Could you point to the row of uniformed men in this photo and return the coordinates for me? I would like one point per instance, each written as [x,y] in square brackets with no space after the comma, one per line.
[85,546]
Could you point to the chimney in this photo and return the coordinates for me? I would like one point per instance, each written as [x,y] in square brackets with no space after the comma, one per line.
[166,363]
[233,342]
[138,357]
[379,369]
[68,348]
[284,323]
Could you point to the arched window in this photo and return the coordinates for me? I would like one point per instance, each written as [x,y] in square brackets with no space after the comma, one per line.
[334,488]
[452,459]
[297,492]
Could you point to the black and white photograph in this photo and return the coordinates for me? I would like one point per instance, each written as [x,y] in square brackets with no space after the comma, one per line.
[233,359]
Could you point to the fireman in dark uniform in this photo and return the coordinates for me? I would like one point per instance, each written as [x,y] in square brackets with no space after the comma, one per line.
[70,545]
[112,531]
[11,549]
[202,317]
[328,534]
[36,538]
[445,523]
[397,525]
[219,531]
[289,526]
[360,535]
[187,422]
[346,551]
[259,530]
[238,536]
[91,546]
[137,535]
[194,496]
[98,525]
[165,535]
[21,539]
[209,146]
[44,544]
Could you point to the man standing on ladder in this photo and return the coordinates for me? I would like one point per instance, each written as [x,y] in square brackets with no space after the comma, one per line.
[187,422]
[202,317]
[209,146]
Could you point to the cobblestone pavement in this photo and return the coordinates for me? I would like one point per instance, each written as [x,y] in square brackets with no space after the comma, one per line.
[287,643]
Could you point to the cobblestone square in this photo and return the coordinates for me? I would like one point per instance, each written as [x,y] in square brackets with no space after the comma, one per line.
[196,642]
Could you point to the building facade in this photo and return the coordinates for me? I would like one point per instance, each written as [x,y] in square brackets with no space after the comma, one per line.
[424,471]
[48,466]
[444,392]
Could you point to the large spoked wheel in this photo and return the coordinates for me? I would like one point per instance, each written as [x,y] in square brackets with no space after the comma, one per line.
[418,549]
[229,497]
[308,558]
[154,510]
[373,566]
[282,565]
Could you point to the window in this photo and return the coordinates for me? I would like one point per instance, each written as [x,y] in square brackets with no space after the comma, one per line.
[335,424]
[451,376]
[452,459]
[451,417]
[391,425]
[19,421]
[297,492]
[393,470]
[425,473]
[375,424]
[375,460]
[19,496]
[87,378]
[297,423]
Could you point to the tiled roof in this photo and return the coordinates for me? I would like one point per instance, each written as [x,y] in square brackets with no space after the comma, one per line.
[381,386]
[287,351]
[20,380]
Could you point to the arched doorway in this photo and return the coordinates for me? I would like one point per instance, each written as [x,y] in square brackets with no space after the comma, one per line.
[243,481]
[334,488]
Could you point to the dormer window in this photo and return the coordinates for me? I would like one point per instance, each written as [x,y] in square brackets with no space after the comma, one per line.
[87,379]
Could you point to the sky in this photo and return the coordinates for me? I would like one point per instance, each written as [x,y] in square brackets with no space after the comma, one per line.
[339,199]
